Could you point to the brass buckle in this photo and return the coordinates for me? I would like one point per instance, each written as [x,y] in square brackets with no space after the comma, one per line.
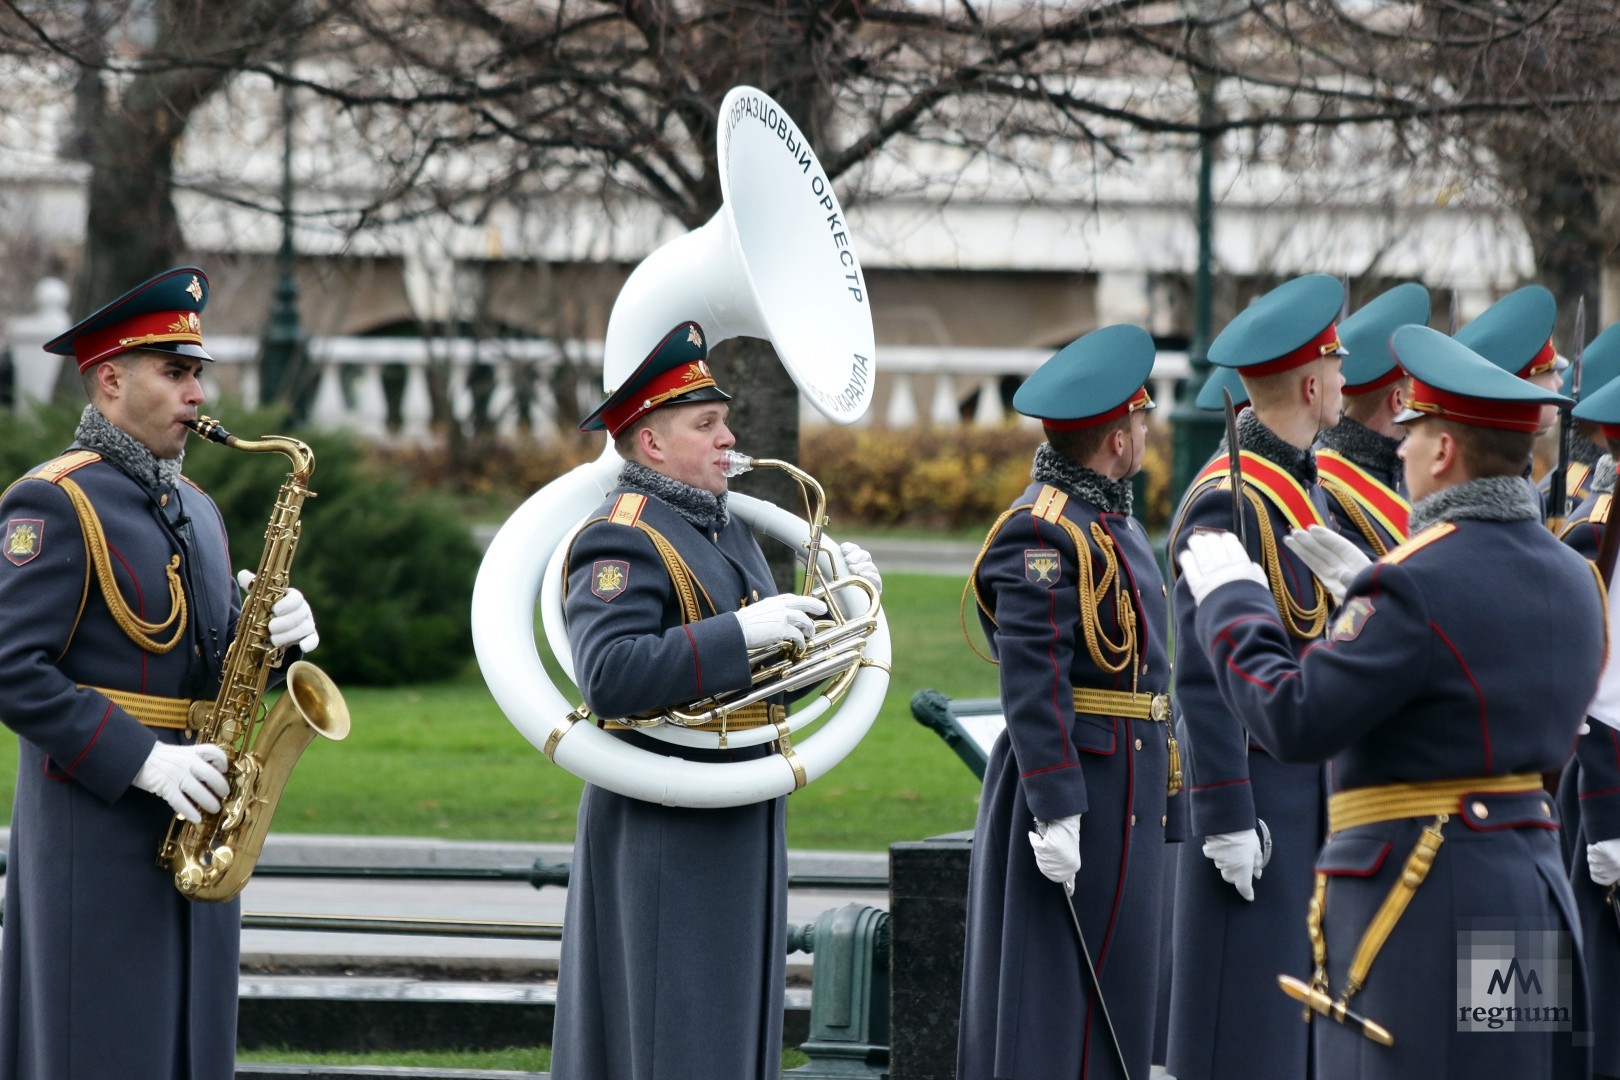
[1159,708]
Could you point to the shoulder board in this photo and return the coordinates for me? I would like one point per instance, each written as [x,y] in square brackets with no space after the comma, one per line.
[1600,510]
[189,482]
[1421,540]
[53,471]
[627,509]
[1049,503]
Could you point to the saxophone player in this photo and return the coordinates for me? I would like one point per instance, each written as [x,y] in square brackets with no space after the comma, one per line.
[666,595]
[118,584]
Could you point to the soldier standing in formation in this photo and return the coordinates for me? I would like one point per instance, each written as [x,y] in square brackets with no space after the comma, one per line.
[1437,730]
[1361,472]
[1244,801]
[119,582]
[1072,824]
[666,595]
[1589,792]
[1600,363]
[1515,334]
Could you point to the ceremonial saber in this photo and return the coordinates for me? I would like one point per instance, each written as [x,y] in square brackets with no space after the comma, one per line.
[1558,482]
[1319,1002]
[1234,464]
[1091,969]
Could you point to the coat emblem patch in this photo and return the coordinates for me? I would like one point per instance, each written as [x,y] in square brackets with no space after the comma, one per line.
[1042,567]
[609,577]
[1351,618]
[23,539]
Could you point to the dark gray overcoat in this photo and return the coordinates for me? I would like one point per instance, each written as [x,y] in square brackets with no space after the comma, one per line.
[675,934]
[108,973]
[1029,1010]
[1228,1020]
[1422,680]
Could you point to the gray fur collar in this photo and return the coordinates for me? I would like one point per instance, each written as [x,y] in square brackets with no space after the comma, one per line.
[1364,446]
[120,448]
[1087,485]
[1583,450]
[1603,476]
[1256,438]
[1491,498]
[704,509]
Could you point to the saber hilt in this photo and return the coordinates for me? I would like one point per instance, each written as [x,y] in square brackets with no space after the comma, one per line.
[1319,1002]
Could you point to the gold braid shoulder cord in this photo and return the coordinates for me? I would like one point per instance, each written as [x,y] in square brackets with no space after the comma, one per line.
[1315,617]
[1112,657]
[138,630]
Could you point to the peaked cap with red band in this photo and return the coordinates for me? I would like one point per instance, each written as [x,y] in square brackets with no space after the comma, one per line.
[1452,382]
[1369,364]
[162,314]
[1094,379]
[1515,333]
[676,372]
[1288,327]
[1602,406]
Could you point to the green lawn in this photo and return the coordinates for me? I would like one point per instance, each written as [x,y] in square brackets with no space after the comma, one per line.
[440,759]
[526,1058]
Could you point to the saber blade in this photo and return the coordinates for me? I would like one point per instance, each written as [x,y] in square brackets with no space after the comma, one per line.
[1234,463]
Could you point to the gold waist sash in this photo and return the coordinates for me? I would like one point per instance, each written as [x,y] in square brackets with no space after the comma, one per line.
[1154,707]
[153,711]
[1391,802]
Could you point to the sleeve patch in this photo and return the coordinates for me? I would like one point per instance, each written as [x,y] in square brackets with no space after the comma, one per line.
[1042,566]
[24,539]
[609,577]
[1351,618]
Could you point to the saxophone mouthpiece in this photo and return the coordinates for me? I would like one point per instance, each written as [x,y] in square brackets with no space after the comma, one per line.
[207,427]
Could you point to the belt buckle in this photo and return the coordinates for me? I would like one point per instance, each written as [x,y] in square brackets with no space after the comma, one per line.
[1159,708]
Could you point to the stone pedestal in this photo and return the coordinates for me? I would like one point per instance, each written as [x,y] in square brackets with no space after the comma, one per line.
[928,883]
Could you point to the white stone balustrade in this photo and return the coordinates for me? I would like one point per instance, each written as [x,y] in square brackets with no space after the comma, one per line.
[915,384]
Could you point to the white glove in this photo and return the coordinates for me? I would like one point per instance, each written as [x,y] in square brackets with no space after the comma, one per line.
[783,617]
[291,620]
[1603,861]
[1334,560]
[860,563]
[1213,558]
[1238,857]
[1057,850]
[185,777]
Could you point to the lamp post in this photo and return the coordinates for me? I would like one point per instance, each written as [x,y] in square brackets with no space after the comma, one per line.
[1198,432]
[282,352]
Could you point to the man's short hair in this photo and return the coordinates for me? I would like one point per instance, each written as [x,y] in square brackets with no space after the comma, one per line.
[1491,451]
[1081,444]
[88,379]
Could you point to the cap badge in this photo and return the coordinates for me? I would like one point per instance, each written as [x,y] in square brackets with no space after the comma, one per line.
[195,289]
[694,337]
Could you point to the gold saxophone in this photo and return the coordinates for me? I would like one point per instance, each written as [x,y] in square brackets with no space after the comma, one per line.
[213,859]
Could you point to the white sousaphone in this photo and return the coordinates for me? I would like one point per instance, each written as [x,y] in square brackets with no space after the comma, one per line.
[776,263]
